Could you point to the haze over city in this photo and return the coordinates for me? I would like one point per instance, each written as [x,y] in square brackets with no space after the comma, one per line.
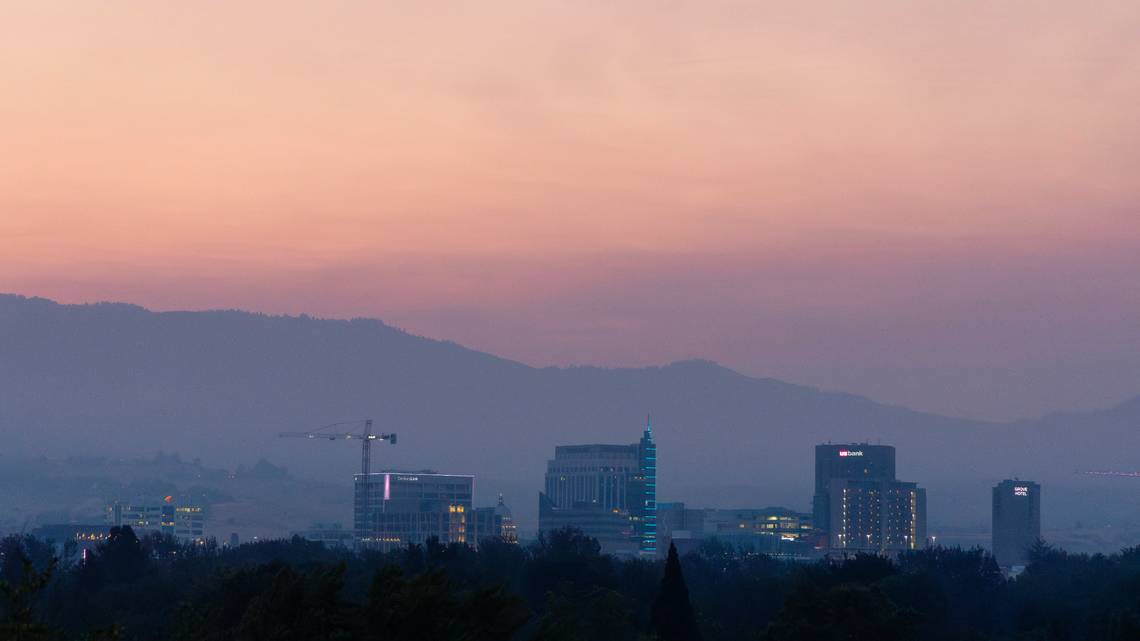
[563,320]
[932,205]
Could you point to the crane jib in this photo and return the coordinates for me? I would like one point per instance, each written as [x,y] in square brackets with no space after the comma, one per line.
[366,437]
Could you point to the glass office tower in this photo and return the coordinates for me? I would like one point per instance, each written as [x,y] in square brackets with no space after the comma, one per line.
[644,511]
[608,491]
[393,509]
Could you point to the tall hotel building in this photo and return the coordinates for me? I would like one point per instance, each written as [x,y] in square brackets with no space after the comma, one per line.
[1017,521]
[859,505]
[393,509]
[607,491]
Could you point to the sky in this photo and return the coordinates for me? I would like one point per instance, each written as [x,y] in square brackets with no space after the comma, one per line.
[934,204]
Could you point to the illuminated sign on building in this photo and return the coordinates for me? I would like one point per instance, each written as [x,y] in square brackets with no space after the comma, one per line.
[851,452]
[1020,490]
[411,479]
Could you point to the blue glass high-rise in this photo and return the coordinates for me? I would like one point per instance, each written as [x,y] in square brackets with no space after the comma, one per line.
[645,509]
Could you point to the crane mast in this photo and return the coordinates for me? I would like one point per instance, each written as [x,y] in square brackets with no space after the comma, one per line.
[366,450]
[365,497]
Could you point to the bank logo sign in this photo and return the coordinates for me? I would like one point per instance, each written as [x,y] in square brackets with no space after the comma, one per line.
[845,453]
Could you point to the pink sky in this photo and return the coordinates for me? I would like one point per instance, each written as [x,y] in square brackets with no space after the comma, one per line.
[933,204]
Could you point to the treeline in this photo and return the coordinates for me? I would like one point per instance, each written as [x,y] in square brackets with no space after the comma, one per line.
[561,588]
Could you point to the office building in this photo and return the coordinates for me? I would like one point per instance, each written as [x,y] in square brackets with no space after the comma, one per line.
[141,516]
[599,475]
[187,523]
[608,491]
[855,461]
[774,530]
[190,523]
[643,511]
[1016,521]
[393,509]
[768,530]
[876,516]
[859,505]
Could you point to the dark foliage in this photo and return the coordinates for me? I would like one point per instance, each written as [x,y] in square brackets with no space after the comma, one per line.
[846,612]
[672,614]
[560,588]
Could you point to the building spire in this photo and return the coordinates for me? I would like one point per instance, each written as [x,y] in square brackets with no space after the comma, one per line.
[648,424]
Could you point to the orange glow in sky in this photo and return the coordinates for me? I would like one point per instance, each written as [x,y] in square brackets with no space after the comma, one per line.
[932,203]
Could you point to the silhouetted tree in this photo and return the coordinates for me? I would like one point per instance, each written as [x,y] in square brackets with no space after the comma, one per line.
[597,614]
[565,555]
[18,550]
[158,590]
[672,616]
[217,607]
[19,622]
[298,607]
[119,559]
[843,613]
[864,569]
[955,591]
[430,606]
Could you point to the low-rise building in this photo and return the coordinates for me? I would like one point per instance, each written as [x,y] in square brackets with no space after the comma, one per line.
[187,523]
[85,536]
[772,530]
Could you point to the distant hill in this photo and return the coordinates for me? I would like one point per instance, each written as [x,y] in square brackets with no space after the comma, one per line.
[115,379]
[258,501]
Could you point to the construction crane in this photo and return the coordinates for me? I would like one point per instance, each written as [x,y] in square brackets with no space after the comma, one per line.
[334,433]
[1110,473]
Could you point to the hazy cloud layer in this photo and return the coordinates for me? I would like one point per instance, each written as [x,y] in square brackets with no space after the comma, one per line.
[934,204]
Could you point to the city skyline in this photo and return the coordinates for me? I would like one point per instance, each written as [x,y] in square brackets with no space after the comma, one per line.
[535,320]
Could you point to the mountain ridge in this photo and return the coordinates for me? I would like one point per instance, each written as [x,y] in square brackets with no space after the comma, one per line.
[221,384]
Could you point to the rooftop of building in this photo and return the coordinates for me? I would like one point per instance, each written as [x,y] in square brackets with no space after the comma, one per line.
[595,447]
[417,473]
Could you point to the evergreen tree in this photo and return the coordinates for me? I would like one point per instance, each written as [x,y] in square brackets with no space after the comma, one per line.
[672,615]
